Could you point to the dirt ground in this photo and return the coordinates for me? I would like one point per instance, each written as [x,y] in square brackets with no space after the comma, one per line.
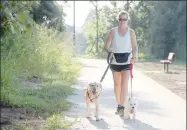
[13,118]
[10,117]
[174,80]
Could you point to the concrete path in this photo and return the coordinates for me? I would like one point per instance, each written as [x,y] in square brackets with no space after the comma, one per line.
[158,108]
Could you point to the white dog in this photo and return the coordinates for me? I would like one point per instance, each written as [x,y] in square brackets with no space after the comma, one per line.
[92,94]
[130,108]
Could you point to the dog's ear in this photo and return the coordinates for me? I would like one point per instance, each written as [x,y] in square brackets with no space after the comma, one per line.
[90,84]
[134,98]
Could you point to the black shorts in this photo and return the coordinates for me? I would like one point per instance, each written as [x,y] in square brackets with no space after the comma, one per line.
[118,68]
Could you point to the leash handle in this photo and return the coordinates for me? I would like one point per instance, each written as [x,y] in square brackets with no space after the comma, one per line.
[108,58]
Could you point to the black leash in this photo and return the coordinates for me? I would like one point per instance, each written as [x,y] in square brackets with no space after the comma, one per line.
[109,62]
[107,66]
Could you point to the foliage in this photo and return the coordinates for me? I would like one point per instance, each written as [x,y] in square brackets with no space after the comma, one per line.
[159,26]
[168,29]
[50,14]
[29,51]
[55,122]
[105,24]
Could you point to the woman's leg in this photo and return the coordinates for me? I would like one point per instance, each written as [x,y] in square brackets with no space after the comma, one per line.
[117,85]
[124,86]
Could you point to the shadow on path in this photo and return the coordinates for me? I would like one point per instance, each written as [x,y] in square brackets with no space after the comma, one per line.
[137,124]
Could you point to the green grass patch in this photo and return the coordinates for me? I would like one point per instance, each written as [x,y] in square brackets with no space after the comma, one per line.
[37,70]
[48,99]
[55,122]
[39,53]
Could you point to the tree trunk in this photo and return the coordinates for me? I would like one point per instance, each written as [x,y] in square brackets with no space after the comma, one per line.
[97,26]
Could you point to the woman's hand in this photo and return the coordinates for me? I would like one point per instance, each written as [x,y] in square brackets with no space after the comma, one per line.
[111,55]
[132,61]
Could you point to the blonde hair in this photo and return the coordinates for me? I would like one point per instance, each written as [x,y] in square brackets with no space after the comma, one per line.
[123,13]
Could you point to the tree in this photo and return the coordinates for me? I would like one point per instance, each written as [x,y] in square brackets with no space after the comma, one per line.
[166,28]
[160,27]
[49,13]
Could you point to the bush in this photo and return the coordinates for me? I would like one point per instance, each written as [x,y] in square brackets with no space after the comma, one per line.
[37,53]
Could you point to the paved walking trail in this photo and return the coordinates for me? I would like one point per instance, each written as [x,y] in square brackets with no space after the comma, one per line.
[158,108]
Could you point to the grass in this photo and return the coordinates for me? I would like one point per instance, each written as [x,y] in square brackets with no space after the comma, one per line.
[48,99]
[142,57]
[53,122]
[37,54]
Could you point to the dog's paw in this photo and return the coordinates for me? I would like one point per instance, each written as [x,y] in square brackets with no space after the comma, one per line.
[98,119]
[133,118]
[126,117]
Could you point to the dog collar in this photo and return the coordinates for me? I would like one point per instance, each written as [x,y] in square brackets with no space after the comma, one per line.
[91,100]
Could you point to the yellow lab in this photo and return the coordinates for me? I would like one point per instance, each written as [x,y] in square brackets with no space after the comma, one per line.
[92,93]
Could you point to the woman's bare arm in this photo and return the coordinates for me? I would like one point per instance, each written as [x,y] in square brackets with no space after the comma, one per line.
[134,44]
[109,40]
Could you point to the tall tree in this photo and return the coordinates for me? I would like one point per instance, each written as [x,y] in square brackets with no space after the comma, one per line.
[48,11]
[165,27]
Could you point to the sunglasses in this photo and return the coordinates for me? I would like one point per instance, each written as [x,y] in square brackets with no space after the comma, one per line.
[122,19]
